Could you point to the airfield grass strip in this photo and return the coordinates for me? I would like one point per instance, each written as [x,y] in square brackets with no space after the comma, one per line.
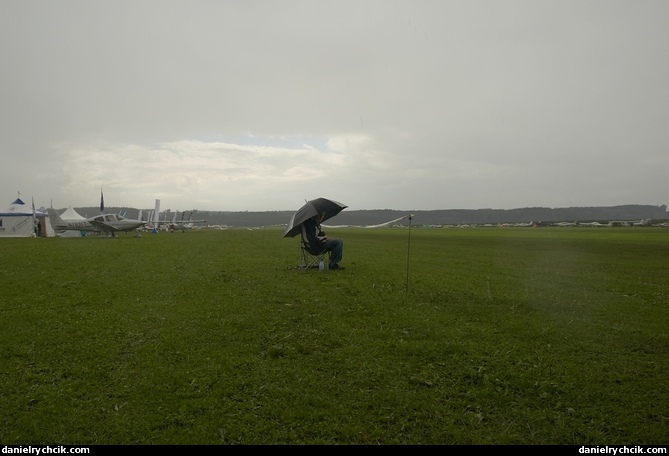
[525,336]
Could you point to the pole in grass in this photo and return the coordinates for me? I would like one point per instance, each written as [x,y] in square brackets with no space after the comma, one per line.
[408,251]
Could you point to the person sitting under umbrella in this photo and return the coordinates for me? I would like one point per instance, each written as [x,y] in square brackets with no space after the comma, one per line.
[317,238]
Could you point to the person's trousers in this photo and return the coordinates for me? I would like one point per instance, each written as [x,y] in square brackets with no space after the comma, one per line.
[336,248]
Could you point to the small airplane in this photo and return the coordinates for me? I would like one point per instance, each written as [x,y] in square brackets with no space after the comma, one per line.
[564,224]
[642,222]
[595,224]
[517,224]
[112,223]
[105,223]
[182,225]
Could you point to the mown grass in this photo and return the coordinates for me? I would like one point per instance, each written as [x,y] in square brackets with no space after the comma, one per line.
[524,336]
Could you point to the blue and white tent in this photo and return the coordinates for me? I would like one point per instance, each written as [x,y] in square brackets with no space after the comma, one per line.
[22,220]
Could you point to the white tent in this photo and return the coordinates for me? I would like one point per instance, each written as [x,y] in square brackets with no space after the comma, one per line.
[70,215]
[22,220]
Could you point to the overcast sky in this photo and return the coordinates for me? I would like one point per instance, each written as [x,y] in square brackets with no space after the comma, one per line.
[259,105]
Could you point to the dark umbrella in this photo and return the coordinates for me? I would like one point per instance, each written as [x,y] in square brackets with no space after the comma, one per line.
[311,208]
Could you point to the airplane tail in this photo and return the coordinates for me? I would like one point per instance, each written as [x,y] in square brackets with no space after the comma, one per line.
[156,219]
[57,223]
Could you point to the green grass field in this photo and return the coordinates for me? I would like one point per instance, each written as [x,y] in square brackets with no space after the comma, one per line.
[523,336]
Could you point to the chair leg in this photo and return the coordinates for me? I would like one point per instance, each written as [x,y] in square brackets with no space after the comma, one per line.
[309,261]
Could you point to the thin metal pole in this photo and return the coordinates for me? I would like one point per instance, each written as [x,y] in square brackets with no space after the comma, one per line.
[408,252]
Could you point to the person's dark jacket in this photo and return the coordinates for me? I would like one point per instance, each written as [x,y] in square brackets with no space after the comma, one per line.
[315,236]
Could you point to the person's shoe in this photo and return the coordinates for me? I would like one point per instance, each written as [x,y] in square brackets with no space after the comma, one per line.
[336,267]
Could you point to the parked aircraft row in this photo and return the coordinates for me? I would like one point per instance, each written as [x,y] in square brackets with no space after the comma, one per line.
[575,223]
[610,223]
[106,223]
[113,223]
[172,225]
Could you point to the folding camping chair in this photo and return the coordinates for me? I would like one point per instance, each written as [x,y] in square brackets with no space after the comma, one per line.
[312,256]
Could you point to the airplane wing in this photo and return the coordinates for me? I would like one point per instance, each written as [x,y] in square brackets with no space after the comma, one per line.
[102,226]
